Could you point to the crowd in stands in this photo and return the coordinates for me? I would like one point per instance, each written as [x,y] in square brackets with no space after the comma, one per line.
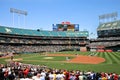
[106,42]
[17,45]
[34,48]
[39,41]
[105,39]
[110,43]
[21,71]
[110,38]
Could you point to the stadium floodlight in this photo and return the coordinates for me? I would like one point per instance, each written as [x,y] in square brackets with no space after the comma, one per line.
[13,10]
[113,16]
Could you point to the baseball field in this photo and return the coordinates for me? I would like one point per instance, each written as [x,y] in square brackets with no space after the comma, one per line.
[72,60]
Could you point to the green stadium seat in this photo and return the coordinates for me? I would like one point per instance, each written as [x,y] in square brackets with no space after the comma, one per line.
[18,31]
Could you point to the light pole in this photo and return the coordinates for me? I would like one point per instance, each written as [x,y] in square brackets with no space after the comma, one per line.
[19,12]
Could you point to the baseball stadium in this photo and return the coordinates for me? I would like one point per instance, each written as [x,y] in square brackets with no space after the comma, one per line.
[65,53]
[61,48]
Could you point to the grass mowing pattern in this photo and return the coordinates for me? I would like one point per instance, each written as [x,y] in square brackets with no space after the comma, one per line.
[108,60]
[111,64]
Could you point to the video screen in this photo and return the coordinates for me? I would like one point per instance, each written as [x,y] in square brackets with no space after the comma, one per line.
[65,27]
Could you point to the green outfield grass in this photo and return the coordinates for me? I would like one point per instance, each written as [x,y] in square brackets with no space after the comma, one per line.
[111,64]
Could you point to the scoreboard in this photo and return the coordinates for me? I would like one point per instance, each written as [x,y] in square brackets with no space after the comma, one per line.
[65,26]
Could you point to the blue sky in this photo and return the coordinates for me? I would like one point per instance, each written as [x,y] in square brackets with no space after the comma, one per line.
[43,13]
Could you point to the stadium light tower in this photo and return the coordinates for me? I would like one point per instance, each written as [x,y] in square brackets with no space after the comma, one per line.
[19,12]
[113,16]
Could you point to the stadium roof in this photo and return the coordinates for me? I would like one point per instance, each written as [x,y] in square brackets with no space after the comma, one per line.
[28,32]
[109,25]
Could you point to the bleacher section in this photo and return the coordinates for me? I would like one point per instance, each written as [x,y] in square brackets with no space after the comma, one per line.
[17,40]
[109,25]
[17,31]
[109,29]
[108,36]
